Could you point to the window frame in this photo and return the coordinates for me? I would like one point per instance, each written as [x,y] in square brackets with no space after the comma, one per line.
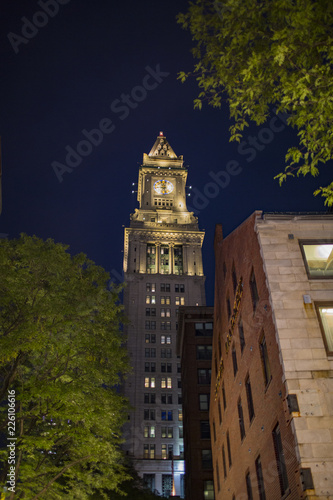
[321,241]
[328,305]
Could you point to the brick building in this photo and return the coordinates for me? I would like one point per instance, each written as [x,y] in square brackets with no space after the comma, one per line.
[194,345]
[271,410]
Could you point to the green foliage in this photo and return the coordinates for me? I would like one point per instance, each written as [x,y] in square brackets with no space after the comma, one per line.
[62,352]
[254,54]
[132,489]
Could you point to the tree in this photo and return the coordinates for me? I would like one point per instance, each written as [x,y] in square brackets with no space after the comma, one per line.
[61,359]
[260,54]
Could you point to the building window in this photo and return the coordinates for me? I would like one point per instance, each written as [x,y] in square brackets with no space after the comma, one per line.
[179,301]
[223,397]
[164,451]
[179,383]
[149,481]
[234,361]
[149,398]
[234,277]
[220,412]
[149,414]
[217,475]
[204,429]
[249,398]
[214,431]
[229,450]
[318,258]
[181,432]
[180,415]
[241,334]
[248,486]
[181,451]
[180,288]
[150,287]
[254,290]
[265,361]
[169,383]
[228,307]
[204,402]
[204,329]
[206,459]
[204,352]
[166,399]
[241,419]
[260,480]
[150,382]
[167,484]
[150,311]
[224,463]
[167,432]
[165,300]
[204,375]
[280,461]
[165,287]
[325,314]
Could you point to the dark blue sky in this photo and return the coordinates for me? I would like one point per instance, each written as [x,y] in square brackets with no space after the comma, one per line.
[68,75]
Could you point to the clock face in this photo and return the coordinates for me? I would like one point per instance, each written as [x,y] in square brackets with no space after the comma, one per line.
[163,187]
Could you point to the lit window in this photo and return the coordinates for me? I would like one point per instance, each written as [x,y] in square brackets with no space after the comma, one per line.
[152,432]
[162,339]
[162,313]
[325,313]
[168,339]
[163,383]
[146,381]
[169,383]
[177,301]
[162,300]
[180,415]
[164,451]
[152,382]
[318,257]
[147,299]
[209,490]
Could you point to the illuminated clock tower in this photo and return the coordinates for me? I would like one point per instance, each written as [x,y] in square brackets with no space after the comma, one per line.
[163,270]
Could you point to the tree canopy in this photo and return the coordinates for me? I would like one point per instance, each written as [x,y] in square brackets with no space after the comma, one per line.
[264,54]
[62,357]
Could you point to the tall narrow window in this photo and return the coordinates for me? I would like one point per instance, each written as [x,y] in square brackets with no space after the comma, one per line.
[280,461]
[229,450]
[224,463]
[228,307]
[260,479]
[234,277]
[217,476]
[214,431]
[220,412]
[249,398]
[223,397]
[241,419]
[325,313]
[254,290]
[241,334]
[265,361]
[234,361]
[248,486]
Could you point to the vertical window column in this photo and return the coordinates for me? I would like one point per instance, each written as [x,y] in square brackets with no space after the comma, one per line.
[171,257]
[158,258]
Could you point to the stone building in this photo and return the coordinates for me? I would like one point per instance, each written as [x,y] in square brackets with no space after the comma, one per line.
[271,410]
[194,346]
[163,270]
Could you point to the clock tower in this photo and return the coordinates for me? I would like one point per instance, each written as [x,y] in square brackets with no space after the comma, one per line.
[163,270]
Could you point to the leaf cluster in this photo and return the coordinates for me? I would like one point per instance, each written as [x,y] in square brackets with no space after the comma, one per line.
[62,351]
[256,54]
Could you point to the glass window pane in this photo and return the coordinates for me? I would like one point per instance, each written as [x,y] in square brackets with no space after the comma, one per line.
[326,316]
[319,259]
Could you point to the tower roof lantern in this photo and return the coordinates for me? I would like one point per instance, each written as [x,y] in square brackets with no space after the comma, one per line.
[162,148]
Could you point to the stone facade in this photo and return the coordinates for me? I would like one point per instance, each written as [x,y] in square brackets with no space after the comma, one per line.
[283,445]
[163,270]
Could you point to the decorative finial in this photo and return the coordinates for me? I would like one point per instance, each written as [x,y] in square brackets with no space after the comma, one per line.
[161,133]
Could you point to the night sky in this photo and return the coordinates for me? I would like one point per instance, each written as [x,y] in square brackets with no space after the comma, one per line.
[69,75]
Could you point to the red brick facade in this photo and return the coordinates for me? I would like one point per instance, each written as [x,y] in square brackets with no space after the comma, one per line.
[240,279]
